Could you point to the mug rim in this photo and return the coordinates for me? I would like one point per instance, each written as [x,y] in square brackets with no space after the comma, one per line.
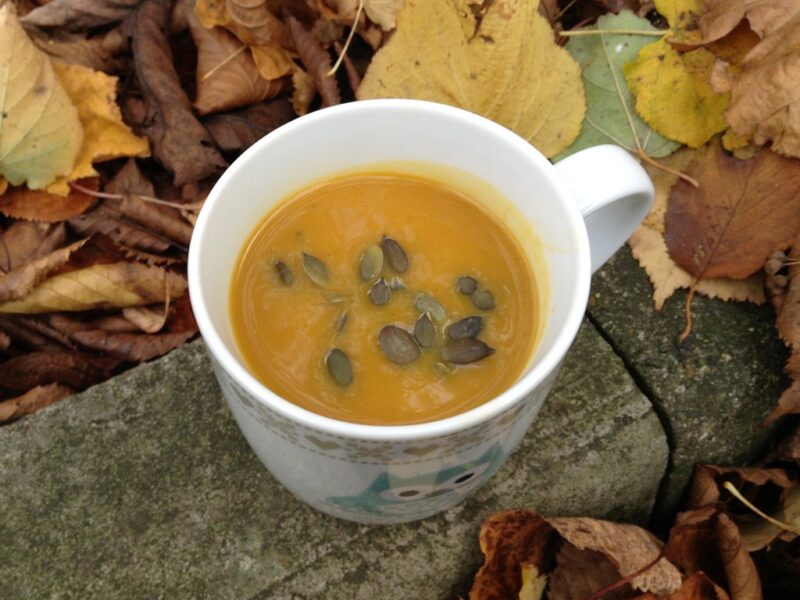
[542,368]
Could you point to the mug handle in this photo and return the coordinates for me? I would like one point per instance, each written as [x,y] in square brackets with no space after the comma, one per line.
[613,192]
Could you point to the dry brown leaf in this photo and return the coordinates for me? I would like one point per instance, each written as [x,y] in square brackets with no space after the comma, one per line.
[649,248]
[18,282]
[723,16]
[24,241]
[509,539]
[304,91]
[114,285]
[39,205]
[33,400]
[130,180]
[5,341]
[179,141]
[788,404]
[95,53]
[72,369]
[147,318]
[26,338]
[39,327]
[741,213]
[226,73]
[759,533]
[107,221]
[241,129]
[80,14]
[698,586]
[663,182]
[181,317]
[317,62]
[163,220]
[272,61]
[743,580]
[131,346]
[708,479]
[691,544]
[581,573]
[255,24]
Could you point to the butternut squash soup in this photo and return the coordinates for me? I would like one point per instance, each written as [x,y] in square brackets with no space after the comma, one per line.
[384,299]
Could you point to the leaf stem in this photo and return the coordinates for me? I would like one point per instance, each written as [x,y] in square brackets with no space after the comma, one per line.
[646,158]
[784,526]
[574,33]
[224,62]
[110,196]
[688,312]
[339,60]
[563,11]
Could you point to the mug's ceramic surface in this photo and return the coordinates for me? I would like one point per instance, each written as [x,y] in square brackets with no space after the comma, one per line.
[392,474]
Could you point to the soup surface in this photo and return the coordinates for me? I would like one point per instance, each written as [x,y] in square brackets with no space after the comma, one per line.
[286,324]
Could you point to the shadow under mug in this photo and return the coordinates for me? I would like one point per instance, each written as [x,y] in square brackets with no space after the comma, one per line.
[392,474]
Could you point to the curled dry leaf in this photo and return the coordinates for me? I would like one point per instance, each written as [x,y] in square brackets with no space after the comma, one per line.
[24,241]
[317,62]
[40,133]
[115,285]
[163,220]
[179,141]
[304,91]
[255,24]
[39,205]
[146,318]
[241,129]
[743,580]
[723,16]
[18,282]
[107,221]
[31,334]
[72,369]
[506,67]
[226,73]
[741,213]
[708,479]
[80,14]
[130,180]
[131,346]
[33,400]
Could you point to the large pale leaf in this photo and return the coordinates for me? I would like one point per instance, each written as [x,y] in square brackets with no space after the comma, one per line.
[507,67]
[610,107]
[40,134]
[115,285]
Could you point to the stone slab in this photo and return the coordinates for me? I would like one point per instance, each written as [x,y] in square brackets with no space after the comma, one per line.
[144,487]
[711,390]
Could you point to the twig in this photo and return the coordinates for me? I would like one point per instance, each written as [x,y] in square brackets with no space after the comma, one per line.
[618,584]
[784,526]
[650,161]
[110,196]
[573,33]
[224,62]
[336,66]
[688,312]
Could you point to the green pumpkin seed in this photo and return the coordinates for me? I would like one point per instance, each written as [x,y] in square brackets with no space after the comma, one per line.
[465,351]
[339,367]
[380,293]
[371,263]
[466,285]
[398,345]
[397,257]
[483,300]
[424,331]
[396,284]
[284,272]
[315,269]
[341,322]
[465,328]
[425,303]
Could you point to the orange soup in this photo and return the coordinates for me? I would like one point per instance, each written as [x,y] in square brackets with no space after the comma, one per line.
[384,299]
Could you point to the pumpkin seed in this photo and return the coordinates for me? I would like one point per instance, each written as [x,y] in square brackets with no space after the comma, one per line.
[441,369]
[465,328]
[284,272]
[483,300]
[396,284]
[466,285]
[465,351]
[398,345]
[371,263]
[425,303]
[341,322]
[397,257]
[380,293]
[424,331]
[339,367]
[315,269]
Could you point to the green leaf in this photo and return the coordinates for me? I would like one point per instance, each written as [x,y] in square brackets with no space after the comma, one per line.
[611,108]
[40,133]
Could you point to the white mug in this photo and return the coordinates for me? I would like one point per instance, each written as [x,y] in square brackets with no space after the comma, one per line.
[569,219]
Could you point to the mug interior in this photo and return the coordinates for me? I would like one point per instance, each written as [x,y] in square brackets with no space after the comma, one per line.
[403,136]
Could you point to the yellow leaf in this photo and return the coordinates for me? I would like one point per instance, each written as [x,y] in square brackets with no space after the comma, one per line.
[304,91]
[106,136]
[383,12]
[507,67]
[731,141]
[683,16]
[40,133]
[533,583]
[212,13]
[115,285]
[272,61]
[673,93]
[648,247]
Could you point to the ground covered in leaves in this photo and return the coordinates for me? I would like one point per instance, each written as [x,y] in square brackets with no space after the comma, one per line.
[116,118]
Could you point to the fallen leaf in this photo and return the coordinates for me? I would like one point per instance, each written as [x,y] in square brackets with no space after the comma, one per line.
[507,67]
[95,53]
[240,129]
[254,23]
[3,185]
[130,180]
[5,341]
[40,134]
[114,285]
[683,17]
[106,136]
[610,107]
[663,182]
[788,404]
[18,282]
[743,580]
[179,141]
[181,317]
[80,14]
[509,539]
[673,94]
[131,346]
[533,583]
[383,12]
[692,544]
[304,91]
[226,73]
[723,16]
[317,62]
[148,319]
[708,479]
[742,212]
[760,533]
[33,400]
[581,573]
[698,586]
[272,61]
[72,369]
[162,220]
[39,205]
[650,249]
[109,222]
[24,241]
[212,13]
